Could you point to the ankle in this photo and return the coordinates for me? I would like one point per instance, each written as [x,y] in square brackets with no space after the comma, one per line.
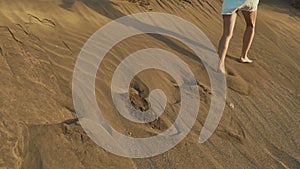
[243,56]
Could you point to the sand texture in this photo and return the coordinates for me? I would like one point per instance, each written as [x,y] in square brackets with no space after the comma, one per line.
[39,44]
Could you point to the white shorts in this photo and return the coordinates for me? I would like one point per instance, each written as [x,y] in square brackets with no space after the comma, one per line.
[231,6]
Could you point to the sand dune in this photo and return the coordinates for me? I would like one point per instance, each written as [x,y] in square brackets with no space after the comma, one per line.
[39,44]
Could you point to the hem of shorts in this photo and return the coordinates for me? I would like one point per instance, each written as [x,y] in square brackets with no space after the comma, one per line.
[237,10]
[227,13]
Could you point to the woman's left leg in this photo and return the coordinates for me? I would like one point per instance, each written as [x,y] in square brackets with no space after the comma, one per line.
[228,26]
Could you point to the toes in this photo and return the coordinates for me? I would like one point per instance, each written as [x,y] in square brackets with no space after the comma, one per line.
[246,60]
[222,70]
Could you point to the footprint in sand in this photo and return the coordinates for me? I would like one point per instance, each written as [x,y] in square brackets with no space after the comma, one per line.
[237,83]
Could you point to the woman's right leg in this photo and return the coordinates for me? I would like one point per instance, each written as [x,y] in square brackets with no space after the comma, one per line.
[250,18]
[228,26]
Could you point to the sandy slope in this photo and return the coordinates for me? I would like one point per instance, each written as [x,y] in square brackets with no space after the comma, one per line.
[39,44]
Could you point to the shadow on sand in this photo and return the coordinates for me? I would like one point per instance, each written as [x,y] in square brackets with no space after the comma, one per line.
[106,8]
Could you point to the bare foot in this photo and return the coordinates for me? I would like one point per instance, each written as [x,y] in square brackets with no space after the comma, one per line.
[222,68]
[246,60]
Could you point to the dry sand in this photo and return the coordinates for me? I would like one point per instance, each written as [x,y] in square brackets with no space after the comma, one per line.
[41,39]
